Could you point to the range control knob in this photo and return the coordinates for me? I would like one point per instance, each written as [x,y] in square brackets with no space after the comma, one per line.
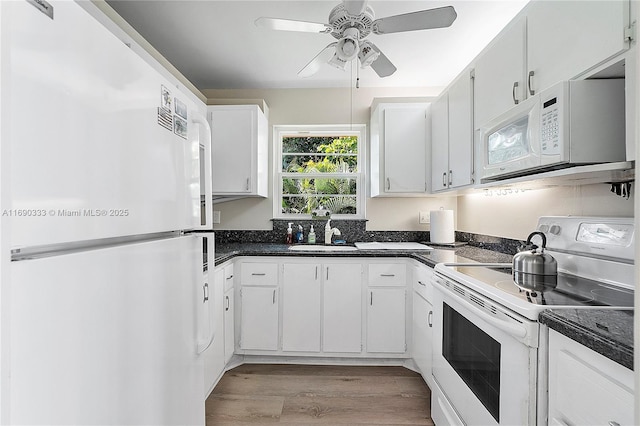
[555,229]
[543,228]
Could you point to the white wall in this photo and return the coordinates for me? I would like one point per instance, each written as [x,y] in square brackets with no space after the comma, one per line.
[515,215]
[324,106]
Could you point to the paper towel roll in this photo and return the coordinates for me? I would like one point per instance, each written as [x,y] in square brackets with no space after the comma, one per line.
[442,227]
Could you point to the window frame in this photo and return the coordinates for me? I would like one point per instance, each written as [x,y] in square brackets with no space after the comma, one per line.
[280,131]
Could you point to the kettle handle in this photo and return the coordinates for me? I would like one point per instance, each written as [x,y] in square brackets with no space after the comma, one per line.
[544,238]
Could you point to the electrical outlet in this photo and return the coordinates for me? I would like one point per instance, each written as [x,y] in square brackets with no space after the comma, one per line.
[424,217]
[216,216]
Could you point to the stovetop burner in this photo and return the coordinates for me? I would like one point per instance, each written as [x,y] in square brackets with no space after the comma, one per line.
[570,290]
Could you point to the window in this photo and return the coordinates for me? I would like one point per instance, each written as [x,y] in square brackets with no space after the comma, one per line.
[319,169]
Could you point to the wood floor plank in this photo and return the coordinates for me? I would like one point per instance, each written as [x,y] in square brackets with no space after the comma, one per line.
[360,411]
[323,370]
[235,409]
[289,386]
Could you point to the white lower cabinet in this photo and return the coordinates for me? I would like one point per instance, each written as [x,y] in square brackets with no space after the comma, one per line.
[423,321]
[386,320]
[305,306]
[259,323]
[342,308]
[586,387]
[214,359]
[321,307]
[301,294]
[259,305]
[229,324]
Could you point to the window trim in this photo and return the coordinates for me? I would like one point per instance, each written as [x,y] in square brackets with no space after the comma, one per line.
[359,130]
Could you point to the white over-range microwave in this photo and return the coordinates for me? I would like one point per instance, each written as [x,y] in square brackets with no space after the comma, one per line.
[571,123]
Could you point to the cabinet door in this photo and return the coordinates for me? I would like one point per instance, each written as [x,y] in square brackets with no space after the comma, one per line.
[422,335]
[566,38]
[301,307]
[586,387]
[500,73]
[460,132]
[214,359]
[259,318]
[440,144]
[405,144]
[342,308]
[229,331]
[232,149]
[386,320]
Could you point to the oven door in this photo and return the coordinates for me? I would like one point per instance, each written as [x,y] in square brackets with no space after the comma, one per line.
[480,361]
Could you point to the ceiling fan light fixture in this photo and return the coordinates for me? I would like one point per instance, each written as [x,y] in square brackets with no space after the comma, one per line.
[337,61]
[348,46]
[367,54]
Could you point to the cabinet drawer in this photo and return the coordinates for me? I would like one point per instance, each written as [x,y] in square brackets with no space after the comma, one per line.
[259,273]
[387,274]
[422,282]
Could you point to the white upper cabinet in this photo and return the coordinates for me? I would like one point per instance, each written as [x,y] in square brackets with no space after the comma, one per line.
[399,143]
[239,139]
[550,42]
[452,136]
[566,38]
[499,73]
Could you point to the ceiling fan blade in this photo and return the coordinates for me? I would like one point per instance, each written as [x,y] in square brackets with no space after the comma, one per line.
[291,25]
[382,66]
[355,7]
[321,58]
[422,20]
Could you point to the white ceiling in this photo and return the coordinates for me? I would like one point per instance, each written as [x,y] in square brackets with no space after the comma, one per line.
[216,45]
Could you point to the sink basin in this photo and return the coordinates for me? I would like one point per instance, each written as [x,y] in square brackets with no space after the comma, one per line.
[322,248]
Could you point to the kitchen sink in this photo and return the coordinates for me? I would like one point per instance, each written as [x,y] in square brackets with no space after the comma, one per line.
[322,248]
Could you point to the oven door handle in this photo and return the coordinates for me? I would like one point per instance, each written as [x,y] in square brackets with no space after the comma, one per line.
[512,328]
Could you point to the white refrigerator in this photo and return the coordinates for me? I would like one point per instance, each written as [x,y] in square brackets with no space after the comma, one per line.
[104,166]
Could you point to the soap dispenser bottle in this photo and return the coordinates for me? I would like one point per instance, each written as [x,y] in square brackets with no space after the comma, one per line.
[328,233]
[300,235]
[311,238]
[289,234]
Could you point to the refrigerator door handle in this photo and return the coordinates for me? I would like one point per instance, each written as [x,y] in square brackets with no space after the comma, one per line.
[205,166]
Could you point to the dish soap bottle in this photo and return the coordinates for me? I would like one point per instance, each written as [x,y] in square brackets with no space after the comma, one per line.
[300,235]
[289,234]
[311,238]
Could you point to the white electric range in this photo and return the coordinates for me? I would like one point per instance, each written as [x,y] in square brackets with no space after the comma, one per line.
[489,349]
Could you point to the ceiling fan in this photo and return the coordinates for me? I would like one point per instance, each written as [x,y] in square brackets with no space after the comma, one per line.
[350,23]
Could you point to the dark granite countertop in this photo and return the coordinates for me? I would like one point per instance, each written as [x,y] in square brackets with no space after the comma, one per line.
[609,332]
[227,251]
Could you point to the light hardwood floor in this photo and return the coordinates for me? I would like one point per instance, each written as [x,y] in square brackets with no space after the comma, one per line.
[310,395]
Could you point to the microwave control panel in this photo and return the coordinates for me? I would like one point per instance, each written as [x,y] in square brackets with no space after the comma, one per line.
[550,129]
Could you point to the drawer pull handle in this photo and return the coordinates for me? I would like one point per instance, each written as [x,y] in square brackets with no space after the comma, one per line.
[387,275]
[230,277]
[258,274]
[421,283]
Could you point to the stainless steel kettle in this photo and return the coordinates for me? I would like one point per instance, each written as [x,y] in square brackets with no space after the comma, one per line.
[533,269]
